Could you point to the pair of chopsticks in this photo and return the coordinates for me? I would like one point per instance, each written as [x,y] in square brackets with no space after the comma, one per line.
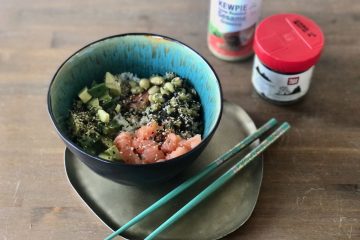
[204,172]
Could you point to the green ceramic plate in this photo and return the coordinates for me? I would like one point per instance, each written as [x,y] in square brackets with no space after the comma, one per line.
[220,214]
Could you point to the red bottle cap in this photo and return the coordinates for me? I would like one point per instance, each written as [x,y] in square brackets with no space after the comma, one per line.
[288,43]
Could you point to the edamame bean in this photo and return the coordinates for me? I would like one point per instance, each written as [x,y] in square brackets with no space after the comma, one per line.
[173,102]
[164,91]
[157,80]
[132,83]
[144,83]
[183,96]
[153,90]
[170,110]
[177,82]
[155,107]
[169,86]
[158,98]
[151,98]
[136,90]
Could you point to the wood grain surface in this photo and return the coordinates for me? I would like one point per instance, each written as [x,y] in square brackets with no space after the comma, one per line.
[312,175]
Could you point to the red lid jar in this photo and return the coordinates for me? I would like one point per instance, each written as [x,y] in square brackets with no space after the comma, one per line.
[286,46]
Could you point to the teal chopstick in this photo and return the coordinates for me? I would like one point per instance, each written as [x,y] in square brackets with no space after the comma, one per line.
[205,171]
[221,180]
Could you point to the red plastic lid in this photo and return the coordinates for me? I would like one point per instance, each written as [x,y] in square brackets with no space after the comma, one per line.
[288,43]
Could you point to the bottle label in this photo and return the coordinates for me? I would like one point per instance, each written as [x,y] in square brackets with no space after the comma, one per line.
[232,26]
[277,86]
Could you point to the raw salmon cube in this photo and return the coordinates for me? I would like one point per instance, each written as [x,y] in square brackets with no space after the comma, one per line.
[147,131]
[140,145]
[123,143]
[191,143]
[171,143]
[178,152]
[152,154]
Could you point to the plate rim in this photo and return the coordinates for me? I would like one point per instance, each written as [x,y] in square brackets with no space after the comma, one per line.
[260,158]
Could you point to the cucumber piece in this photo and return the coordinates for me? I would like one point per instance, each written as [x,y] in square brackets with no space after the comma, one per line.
[105,99]
[89,139]
[117,108]
[103,116]
[109,78]
[84,95]
[107,142]
[112,84]
[94,104]
[105,156]
[111,128]
[98,90]
[113,152]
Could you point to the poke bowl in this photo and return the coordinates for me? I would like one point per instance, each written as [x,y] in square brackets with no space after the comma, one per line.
[163,84]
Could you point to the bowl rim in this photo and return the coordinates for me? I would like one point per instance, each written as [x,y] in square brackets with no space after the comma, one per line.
[120,163]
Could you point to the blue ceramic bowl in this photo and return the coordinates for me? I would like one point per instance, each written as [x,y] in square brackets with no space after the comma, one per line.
[143,54]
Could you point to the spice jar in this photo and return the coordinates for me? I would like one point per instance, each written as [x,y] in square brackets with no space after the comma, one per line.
[287,47]
[232,27]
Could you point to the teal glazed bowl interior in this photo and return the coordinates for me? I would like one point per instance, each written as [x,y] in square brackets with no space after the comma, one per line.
[144,55]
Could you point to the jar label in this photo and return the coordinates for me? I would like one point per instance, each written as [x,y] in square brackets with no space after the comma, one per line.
[232,26]
[277,86]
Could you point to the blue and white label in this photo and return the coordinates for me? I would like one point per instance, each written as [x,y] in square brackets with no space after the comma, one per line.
[277,86]
[234,15]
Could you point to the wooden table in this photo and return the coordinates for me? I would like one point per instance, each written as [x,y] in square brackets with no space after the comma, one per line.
[312,175]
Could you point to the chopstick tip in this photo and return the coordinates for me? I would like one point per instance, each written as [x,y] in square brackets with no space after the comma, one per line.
[273,120]
[286,125]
